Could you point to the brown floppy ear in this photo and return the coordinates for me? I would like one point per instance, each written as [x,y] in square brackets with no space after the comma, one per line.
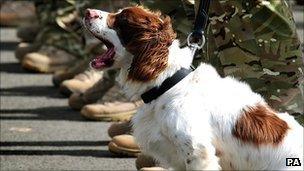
[151,50]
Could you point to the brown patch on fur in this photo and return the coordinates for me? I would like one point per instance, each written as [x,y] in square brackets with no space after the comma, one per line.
[147,36]
[260,125]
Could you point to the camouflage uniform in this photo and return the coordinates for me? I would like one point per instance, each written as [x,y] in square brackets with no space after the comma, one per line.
[61,23]
[257,42]
[254,41]
[49,13]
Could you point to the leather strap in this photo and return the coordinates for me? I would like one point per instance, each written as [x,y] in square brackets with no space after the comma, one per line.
[155,92]
[201,19]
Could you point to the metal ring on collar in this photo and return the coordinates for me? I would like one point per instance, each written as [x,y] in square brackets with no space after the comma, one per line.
[198,45]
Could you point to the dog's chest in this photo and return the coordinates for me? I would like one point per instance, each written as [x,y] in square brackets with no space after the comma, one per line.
[153,135]
[145,125]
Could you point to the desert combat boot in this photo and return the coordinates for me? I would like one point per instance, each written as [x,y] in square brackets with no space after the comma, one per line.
[92,94]
[114,106]
[146,163]
[124,145]
[70,73]
[14,13]
[24,48]
[48,60]
[81,82]
[120,128]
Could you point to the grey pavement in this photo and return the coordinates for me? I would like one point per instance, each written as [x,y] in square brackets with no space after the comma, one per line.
[38,129]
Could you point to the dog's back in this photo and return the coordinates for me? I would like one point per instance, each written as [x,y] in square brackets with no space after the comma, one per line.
[248,134]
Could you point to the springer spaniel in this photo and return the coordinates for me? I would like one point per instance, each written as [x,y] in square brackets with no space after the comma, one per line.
[204,122]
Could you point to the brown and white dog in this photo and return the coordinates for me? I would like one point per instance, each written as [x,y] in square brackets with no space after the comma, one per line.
[204,122]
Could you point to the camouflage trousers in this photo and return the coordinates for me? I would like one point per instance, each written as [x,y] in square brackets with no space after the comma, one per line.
[256,41]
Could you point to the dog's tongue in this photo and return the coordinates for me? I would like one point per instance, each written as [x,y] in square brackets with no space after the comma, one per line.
[103,60]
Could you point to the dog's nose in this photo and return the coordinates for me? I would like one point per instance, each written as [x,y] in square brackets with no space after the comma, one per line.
[91,14]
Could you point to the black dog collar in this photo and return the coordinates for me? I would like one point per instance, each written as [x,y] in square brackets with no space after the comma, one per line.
[155,92]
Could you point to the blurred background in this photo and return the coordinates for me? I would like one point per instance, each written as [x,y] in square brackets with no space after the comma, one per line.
[52,102]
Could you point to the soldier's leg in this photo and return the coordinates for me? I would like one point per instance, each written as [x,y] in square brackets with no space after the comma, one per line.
[256,41]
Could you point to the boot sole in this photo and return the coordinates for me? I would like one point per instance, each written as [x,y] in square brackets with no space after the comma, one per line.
[115,117]
[113,148]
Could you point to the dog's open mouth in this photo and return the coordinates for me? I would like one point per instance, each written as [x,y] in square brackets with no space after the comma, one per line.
[106,59]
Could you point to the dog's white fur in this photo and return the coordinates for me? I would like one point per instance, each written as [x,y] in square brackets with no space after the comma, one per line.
[183,127]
